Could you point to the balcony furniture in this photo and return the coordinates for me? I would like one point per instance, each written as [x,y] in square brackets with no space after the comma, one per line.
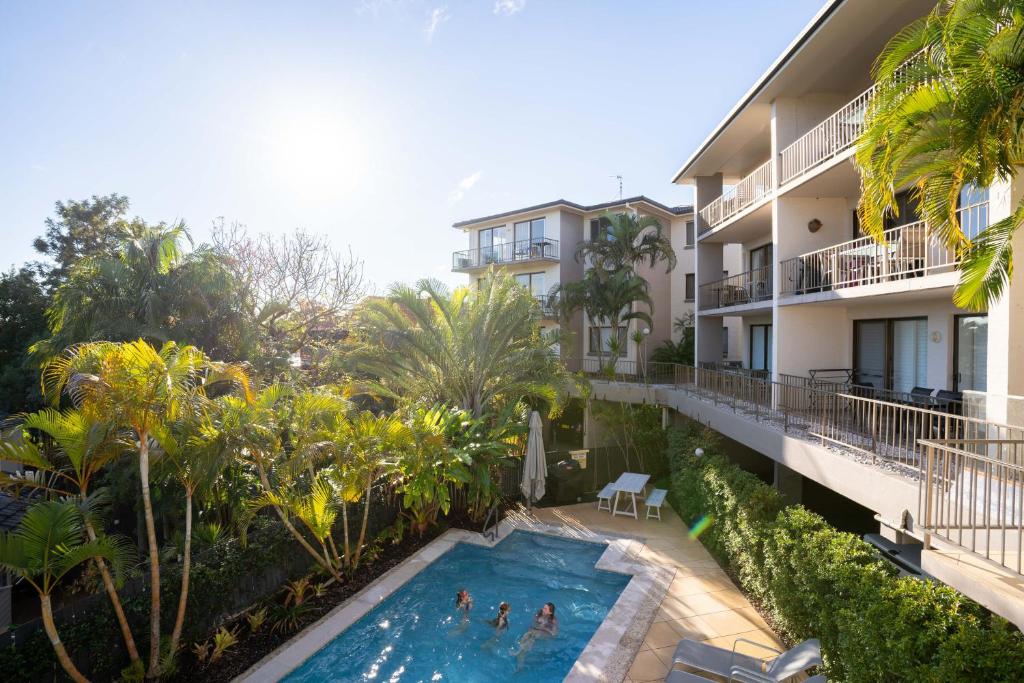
[604,498]
[737,666]
[908,257]
[633,484]
[654,503]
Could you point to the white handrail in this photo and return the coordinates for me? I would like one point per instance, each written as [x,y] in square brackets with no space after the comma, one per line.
[755,186]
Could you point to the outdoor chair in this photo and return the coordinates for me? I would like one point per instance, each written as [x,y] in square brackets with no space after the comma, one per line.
[604,498]
[729,663]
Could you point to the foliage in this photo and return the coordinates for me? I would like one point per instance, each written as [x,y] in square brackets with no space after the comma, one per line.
[681,352]
[223,640]
[256,619]
[817,582]
[948,113]
[22,323]
[629,240]
[477,349]
[637,431]
[149,287]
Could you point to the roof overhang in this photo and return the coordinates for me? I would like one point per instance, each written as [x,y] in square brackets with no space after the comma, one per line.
[646,204]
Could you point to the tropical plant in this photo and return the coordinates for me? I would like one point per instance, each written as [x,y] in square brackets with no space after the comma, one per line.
[681,352]
[256,619]
[66,450]
[136,387]
[48,543]
[223,640]
[947,115]
[477,349]
[629,240]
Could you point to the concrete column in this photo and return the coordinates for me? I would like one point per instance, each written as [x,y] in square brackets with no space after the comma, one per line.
[708,331]
[1006,320]
[789,483]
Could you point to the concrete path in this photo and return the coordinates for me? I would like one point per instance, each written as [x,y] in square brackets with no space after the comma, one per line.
[702,602]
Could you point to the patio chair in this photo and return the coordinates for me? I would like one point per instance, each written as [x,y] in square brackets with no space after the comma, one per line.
[604,498]
[774,668]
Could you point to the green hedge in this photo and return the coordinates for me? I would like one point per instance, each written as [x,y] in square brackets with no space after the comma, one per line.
[817,582]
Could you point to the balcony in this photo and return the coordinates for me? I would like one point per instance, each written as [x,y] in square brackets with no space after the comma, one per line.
[750,287]
[908,251]
[827,140]
[524,251]
[752,189]
[548,309]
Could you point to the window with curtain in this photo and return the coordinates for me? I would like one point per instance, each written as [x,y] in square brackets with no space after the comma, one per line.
[760,347]
[493,243]
[531,231]
[891,354]
[909,354]
[971,353]
[600,338]
[533,282]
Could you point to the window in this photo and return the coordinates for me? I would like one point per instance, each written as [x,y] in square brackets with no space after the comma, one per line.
[533,282]
[725,274]
[495,244]
[601,337]
[971,353]
[760,347]
[891,354]
[761,257]
[689,233]
[599,228]
[973,207]
[689,287]
[906,211]
[531,232]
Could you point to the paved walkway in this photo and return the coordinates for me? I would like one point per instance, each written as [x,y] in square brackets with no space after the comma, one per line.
[702,602]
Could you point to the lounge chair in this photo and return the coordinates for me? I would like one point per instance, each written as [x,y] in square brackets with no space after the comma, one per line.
[737,666]
[679,676]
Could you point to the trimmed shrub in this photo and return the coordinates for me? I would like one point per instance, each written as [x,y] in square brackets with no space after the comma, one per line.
[817,582]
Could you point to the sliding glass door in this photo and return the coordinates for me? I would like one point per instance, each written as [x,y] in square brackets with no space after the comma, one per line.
[971,352]
[891,354]
[761,347]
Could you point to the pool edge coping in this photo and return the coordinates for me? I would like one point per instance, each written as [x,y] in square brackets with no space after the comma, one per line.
[605,657]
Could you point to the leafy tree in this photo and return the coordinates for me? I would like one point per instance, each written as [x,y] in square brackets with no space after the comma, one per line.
[629,240]
[89,227]
[138,388]
[947,114]
[22,322]
[477,349]
[149,286]
[48,544]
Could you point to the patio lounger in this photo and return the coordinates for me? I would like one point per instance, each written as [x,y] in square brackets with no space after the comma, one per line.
[606,495]
[654,503]
[730,663]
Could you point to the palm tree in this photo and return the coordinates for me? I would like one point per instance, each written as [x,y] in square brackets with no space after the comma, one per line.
[47,544]
[136,387]
[947,114]
[478,349]
[84,446]
[630,239]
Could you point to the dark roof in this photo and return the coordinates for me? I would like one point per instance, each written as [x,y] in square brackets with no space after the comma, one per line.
[677,210]
[12,510]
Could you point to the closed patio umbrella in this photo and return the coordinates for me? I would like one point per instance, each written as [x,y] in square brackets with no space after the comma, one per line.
[534,466]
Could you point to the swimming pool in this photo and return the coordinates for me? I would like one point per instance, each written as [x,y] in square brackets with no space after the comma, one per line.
[416,635]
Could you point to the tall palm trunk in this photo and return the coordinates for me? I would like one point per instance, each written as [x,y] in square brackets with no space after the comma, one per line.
[344,520]
[186,567]
[58,647]
[154,560]
[115,601]
[366,519]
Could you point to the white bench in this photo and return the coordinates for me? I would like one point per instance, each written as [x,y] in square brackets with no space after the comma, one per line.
[654,503]
[604,498]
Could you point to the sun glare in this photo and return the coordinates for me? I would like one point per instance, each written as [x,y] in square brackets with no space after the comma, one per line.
[315,153]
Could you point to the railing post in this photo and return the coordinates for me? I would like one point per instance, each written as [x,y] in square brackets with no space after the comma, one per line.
[926,481]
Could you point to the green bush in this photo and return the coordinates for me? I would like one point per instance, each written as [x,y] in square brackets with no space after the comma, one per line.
[818,582]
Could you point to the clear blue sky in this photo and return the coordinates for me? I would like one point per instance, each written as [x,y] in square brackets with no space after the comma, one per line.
[378,123]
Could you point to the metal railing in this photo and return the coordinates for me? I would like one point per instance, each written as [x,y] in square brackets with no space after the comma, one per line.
[510,252]
[548,306]
[829,138]
[753,188]
[972,496]
[736,290]
[907,251]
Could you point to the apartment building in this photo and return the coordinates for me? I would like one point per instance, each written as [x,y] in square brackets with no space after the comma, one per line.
[538,244]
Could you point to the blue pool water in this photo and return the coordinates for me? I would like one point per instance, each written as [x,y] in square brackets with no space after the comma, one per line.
[416,634]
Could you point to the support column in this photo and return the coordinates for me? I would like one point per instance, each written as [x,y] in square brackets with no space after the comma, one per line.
[1005,372]
[789,483]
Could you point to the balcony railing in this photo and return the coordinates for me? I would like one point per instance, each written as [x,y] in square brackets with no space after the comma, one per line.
[747,192]
[536,249]
[825,141]
[547,303]
[736,290]
[972,496]
[908,251]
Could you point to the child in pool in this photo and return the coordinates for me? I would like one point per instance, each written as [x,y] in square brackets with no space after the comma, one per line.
[463,603]
[545,625]
[500,624]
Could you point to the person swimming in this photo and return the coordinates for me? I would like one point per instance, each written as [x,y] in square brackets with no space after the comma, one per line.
[545,625]
[500,622]
[463,601]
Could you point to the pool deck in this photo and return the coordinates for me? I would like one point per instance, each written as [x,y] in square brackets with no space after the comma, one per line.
[702,603]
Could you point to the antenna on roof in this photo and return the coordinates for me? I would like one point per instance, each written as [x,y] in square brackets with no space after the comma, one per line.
[619,178]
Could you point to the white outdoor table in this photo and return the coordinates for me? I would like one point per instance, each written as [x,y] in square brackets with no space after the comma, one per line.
[631,483]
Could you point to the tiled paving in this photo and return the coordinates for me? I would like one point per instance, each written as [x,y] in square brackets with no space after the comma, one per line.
[702,602]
